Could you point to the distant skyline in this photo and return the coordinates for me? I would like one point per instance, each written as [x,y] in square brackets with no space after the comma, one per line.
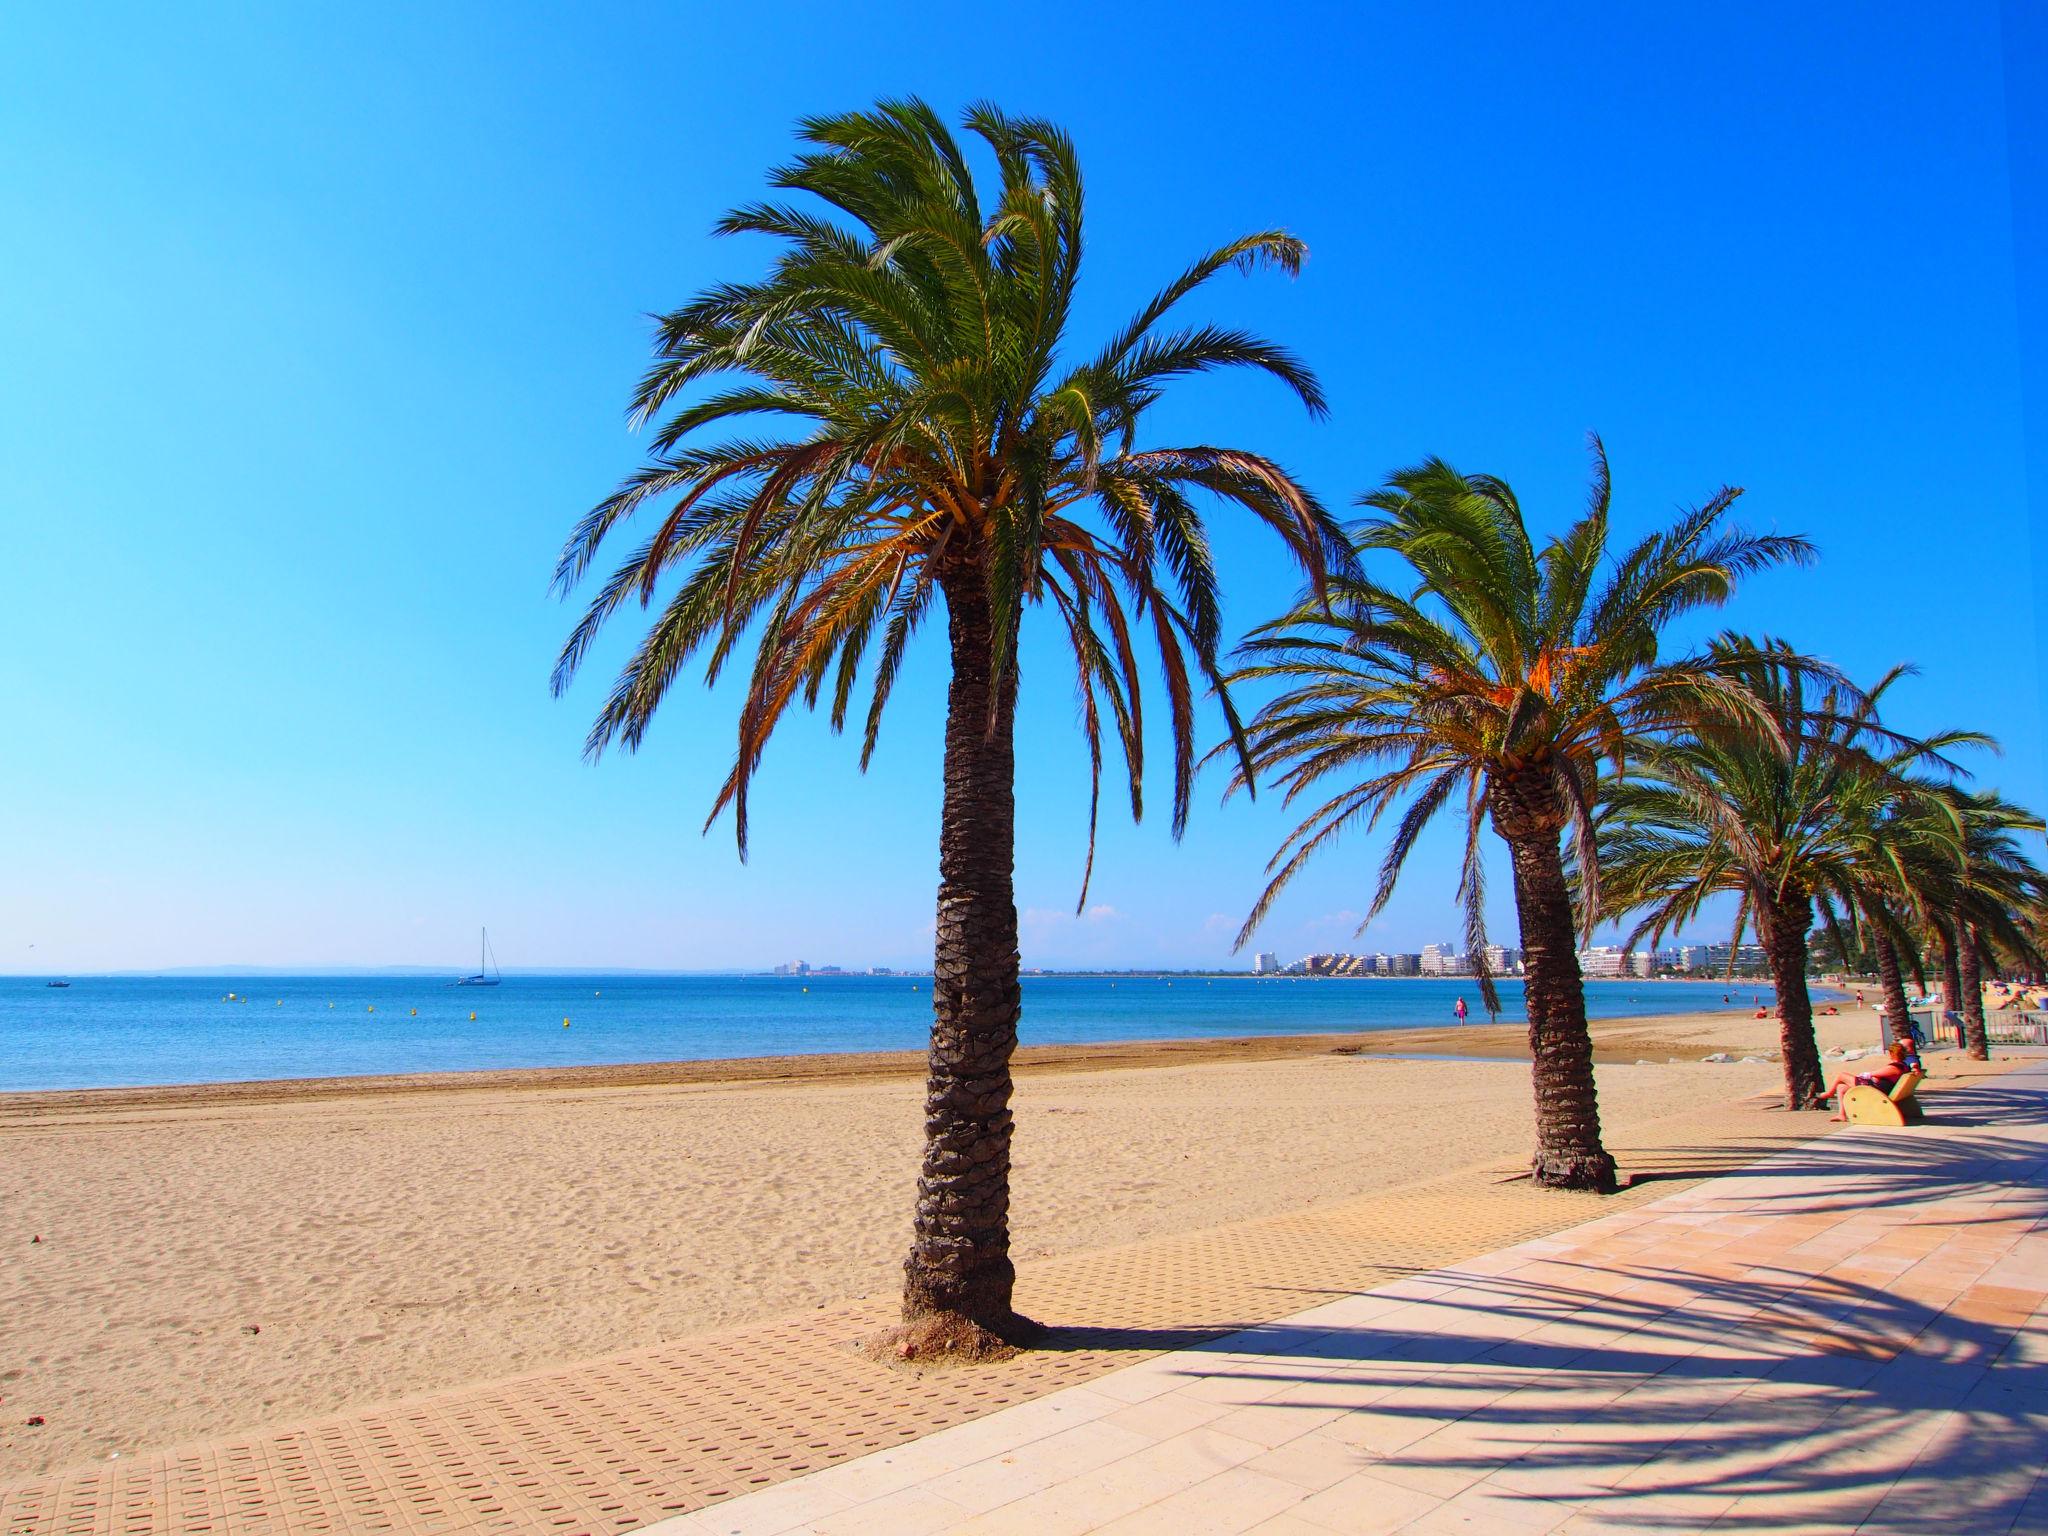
[318,331]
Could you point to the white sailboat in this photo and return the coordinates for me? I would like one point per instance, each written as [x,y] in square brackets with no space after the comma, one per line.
[486,966]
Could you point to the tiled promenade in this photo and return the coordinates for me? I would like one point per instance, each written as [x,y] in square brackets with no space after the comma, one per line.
[1853,1336]
[619,1444]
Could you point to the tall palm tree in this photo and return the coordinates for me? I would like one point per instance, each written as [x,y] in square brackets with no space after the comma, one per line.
[1774,819]
[1485,672]
[939,440]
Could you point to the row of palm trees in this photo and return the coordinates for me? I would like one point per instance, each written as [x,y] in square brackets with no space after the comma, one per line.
[895,418]
[1494,680]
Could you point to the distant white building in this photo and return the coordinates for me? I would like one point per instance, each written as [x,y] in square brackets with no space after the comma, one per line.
[1603,960]
[1440,960]
[1265,963]
[1713,958]
[793,968]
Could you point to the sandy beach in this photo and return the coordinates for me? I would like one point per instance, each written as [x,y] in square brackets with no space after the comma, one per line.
[216,1259]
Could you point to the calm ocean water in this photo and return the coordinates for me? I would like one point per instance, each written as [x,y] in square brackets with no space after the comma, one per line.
[117,1033]
[130,1031]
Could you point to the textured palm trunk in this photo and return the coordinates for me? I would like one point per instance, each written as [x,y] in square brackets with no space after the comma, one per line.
[1892,985]
[1528,812]
[1787,920]
[1951,982]
[959,1269]
[1976,1041]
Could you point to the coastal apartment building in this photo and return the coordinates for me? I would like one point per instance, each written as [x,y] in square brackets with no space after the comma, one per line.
[1714,959]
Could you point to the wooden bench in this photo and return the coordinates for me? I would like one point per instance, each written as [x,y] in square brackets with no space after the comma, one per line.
[1865,1105]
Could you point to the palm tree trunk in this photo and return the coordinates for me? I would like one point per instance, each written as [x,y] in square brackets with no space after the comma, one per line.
[958,1278]
[1787,919]
[1892,985]
[1951,980]
[1976,1041]
[1528,812]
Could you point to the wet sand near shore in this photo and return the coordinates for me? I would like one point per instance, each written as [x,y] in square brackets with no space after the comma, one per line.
[214,1259]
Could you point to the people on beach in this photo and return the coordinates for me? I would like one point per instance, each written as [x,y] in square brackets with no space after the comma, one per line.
[1900,1059]
[1460,1010]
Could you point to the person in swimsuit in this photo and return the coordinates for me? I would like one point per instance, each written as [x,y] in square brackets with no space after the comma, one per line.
[1899,1060]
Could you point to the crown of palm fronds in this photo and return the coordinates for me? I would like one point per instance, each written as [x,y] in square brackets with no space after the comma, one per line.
[1982,893]
[912,342]
[1490,658]
[1771,816]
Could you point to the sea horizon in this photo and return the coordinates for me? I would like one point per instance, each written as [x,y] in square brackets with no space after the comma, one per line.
[162,1030]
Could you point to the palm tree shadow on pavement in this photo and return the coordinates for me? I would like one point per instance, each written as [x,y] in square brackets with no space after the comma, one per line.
[1674,1392]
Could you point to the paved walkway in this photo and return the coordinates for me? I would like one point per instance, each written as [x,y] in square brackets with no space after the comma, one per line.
[1852,1336]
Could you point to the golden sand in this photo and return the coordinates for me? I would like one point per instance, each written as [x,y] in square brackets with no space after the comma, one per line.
[221,1258]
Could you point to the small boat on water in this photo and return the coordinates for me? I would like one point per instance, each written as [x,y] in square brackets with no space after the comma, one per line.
[56,983]
[486,967]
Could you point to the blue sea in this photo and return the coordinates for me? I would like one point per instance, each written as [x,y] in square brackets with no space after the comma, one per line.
[131,1031]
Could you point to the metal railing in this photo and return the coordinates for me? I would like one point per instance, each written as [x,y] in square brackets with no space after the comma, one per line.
[2002,1026]
[2016,1026]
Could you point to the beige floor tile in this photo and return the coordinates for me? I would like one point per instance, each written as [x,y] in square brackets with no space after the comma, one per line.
[1484,1508]
[908,1512]
[775,1510]
[1287,1525]
[1314,1461]
[1275,1423]
[1365,1505]
[1159,1417]
[1005,1478]
[1227,1504]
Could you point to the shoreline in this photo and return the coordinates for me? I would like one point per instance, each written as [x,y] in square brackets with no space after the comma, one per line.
[1478,1041]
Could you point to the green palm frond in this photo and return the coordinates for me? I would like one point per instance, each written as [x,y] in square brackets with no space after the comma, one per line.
[1777,799]
[895,404]
[1463,654]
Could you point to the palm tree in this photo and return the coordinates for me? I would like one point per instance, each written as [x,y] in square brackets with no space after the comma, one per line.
[941,442]
[1486,673]
[1772,819]
[1989,891]
[1906,844]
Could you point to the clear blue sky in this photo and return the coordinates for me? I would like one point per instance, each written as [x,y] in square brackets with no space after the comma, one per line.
[316,332]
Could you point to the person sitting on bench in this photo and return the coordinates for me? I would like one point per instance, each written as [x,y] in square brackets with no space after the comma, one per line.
[1899,1060]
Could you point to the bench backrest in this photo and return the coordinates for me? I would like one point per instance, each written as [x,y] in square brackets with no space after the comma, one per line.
[1903,1088]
